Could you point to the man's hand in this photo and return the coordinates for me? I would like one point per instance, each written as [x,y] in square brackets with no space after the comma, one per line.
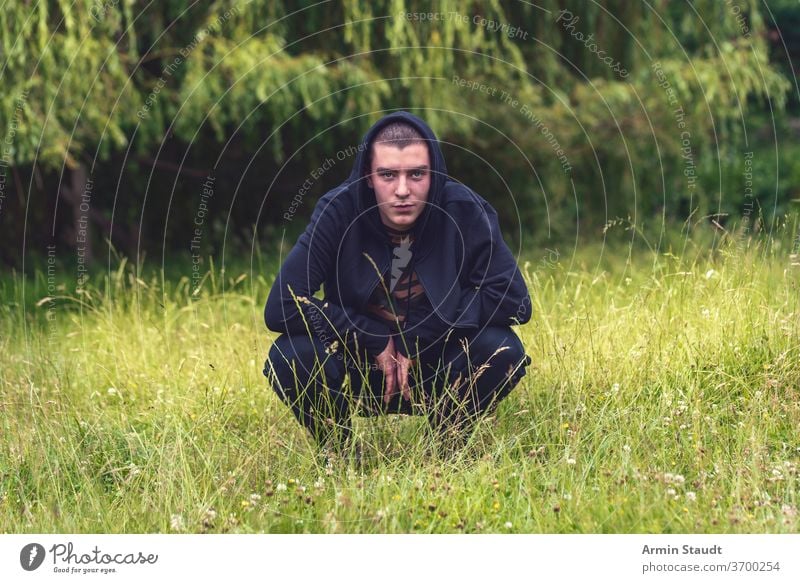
[395,369]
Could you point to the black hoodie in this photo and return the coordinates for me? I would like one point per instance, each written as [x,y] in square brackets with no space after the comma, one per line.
[468,272]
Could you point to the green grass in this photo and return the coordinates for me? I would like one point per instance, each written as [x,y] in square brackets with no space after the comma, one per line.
[664,396]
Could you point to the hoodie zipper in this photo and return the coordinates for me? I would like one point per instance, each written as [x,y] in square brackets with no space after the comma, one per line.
[374,285]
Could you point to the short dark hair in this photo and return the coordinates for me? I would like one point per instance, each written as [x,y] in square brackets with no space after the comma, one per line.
[400,134]
[397,133]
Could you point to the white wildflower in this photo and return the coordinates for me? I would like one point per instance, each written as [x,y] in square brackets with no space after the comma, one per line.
[675,479]
[176,522]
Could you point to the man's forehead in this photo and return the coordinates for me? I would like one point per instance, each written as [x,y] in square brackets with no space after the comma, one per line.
[411,156]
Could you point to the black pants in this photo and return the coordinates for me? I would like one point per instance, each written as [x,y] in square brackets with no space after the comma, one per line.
[453,382]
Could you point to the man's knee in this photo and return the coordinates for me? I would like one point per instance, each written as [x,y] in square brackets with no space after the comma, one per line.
[494,346]
[299,359]
[497,364]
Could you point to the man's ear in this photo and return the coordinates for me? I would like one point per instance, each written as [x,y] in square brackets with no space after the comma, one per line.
[369,181]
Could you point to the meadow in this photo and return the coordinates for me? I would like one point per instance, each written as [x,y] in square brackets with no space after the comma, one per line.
[664,397]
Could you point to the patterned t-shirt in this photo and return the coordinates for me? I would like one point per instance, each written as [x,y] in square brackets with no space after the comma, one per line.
[405,296]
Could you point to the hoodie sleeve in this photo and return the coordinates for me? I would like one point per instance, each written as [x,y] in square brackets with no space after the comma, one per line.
[498,289]
[494,294]
[291,307]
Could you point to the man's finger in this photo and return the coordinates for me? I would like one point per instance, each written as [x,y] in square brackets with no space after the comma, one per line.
[389,371]
[402,378]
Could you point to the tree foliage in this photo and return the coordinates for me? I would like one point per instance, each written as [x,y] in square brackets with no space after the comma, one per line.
[146,98]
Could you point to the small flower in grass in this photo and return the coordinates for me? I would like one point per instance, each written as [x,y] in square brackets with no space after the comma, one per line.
[675,479]
[209,517]
[615,388]
[691,496]
[626,448]
[711,273]
[112,392]
[509,525]
[788,510]
[176,523]
[280,488]
[571,461]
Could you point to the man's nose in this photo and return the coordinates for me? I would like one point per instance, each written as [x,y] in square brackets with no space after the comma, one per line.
[402,187]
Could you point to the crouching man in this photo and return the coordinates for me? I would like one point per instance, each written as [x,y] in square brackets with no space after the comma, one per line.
[420,291]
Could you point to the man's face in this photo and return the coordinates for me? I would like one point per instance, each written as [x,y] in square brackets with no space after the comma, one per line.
[401,179]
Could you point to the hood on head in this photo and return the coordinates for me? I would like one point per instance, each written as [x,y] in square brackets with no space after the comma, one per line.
[366,196]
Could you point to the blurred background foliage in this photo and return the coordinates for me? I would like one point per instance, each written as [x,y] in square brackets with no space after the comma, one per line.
[130,105]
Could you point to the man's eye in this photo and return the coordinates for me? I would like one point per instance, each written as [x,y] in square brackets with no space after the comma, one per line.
[387,174]
[418,173]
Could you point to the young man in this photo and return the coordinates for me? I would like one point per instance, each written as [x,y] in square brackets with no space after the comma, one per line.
[420,291]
